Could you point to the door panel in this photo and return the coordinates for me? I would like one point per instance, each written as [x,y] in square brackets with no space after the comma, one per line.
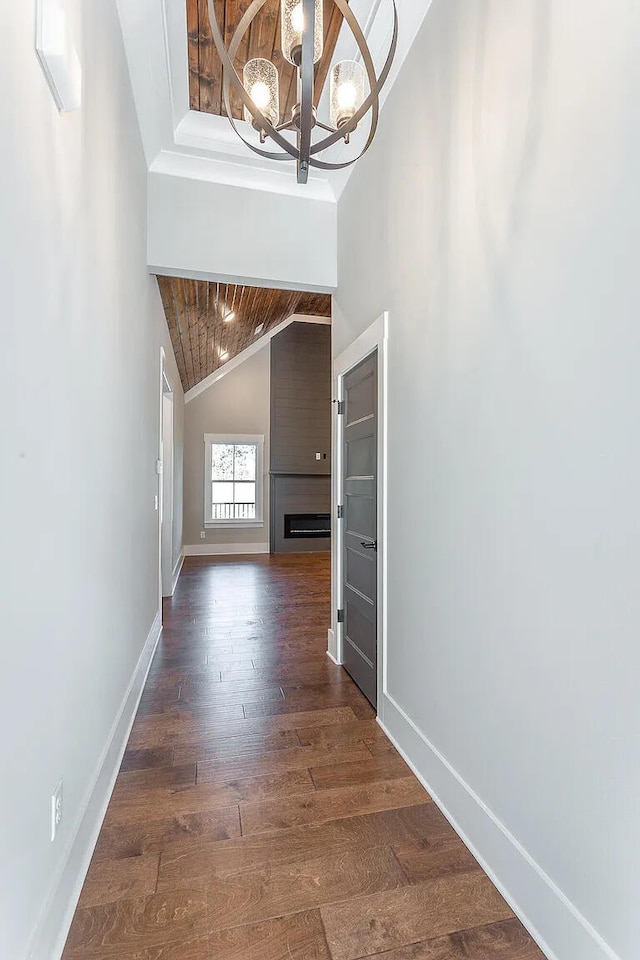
[361,457]
[360,575]
[363,516]
[361,637]
[360,566]
[362,398]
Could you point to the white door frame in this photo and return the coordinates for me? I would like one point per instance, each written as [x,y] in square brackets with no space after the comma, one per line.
[374,337]
[166,524]
[166,390]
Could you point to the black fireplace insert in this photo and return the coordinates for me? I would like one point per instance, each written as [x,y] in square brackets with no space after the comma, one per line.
[305,525]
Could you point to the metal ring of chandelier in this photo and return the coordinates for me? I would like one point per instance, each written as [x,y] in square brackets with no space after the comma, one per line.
[304,153]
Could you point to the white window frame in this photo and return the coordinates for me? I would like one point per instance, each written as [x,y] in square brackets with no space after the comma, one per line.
[236,438]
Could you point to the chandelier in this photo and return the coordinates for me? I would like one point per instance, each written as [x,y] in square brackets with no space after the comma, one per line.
[302,46]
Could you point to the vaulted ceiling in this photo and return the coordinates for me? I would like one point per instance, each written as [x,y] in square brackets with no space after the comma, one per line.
[261,40]
[203,341]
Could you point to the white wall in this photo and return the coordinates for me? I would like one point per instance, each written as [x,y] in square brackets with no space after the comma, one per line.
[237,403]
[216,231]
[82,328]
[497,218]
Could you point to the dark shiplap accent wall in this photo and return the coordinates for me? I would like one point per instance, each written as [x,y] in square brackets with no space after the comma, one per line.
[301,399]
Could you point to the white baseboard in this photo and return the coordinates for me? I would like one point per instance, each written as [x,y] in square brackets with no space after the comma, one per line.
[223,549]
[53,927]
[554,922]
[331,646]
[176,573]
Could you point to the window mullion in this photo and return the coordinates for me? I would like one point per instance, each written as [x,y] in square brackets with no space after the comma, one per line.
[233,481]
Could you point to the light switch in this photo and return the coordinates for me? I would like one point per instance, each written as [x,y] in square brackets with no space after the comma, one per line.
[318,456]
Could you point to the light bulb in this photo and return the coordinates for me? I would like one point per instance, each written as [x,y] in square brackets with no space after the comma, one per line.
[230,316]
[260,80]
[294,23]
[260,94]
[297,19]
[346,91]
[223,354]
[347,95]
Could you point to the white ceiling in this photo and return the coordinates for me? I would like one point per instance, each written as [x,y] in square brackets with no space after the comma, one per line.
[201,146]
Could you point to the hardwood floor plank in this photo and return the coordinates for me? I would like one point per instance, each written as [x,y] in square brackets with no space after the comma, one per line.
[176,675]
[261,894]
[372,924]
[369,770]
[167,730]
[343,696]
[222,695]
[380,747]
[217,708]
[264,679]
[504,940]
[166,659]
[155,836]
[184,862]
[239,746]
[110,929]
[430,858]
[235,661]
[312,670]
[134,783]
[294,758]
[157,701]
[146,759]
[111,880]
[366,730]
[296,937]
[270,660]
[262,817]
[363,710]
[203,797]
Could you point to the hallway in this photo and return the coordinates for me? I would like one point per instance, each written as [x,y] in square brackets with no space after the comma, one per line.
[260,813]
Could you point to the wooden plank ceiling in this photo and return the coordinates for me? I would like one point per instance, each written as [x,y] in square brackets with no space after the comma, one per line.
[261,40]
[203,341]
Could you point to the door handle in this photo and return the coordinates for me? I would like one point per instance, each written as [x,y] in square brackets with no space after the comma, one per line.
[369,544]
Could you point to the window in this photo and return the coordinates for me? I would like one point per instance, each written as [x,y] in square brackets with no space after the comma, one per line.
[233,480]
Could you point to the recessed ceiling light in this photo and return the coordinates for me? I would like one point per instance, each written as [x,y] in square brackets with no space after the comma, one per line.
[229,317]
[258,329]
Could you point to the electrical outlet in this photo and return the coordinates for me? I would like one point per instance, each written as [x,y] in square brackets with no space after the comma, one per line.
[56,810]
[202,534]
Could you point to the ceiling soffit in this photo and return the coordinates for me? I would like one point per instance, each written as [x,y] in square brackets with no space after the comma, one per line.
[198,144]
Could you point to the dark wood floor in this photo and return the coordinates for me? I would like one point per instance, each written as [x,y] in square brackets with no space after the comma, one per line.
[261,814]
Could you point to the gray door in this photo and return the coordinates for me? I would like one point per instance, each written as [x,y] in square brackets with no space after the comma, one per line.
[360,561]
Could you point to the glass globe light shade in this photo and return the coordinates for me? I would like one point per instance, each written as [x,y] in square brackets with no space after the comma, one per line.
[346,91]
[260,80]
[292,28]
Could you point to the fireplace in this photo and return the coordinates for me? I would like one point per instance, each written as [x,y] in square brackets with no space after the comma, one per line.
[300,513]
[304,525]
